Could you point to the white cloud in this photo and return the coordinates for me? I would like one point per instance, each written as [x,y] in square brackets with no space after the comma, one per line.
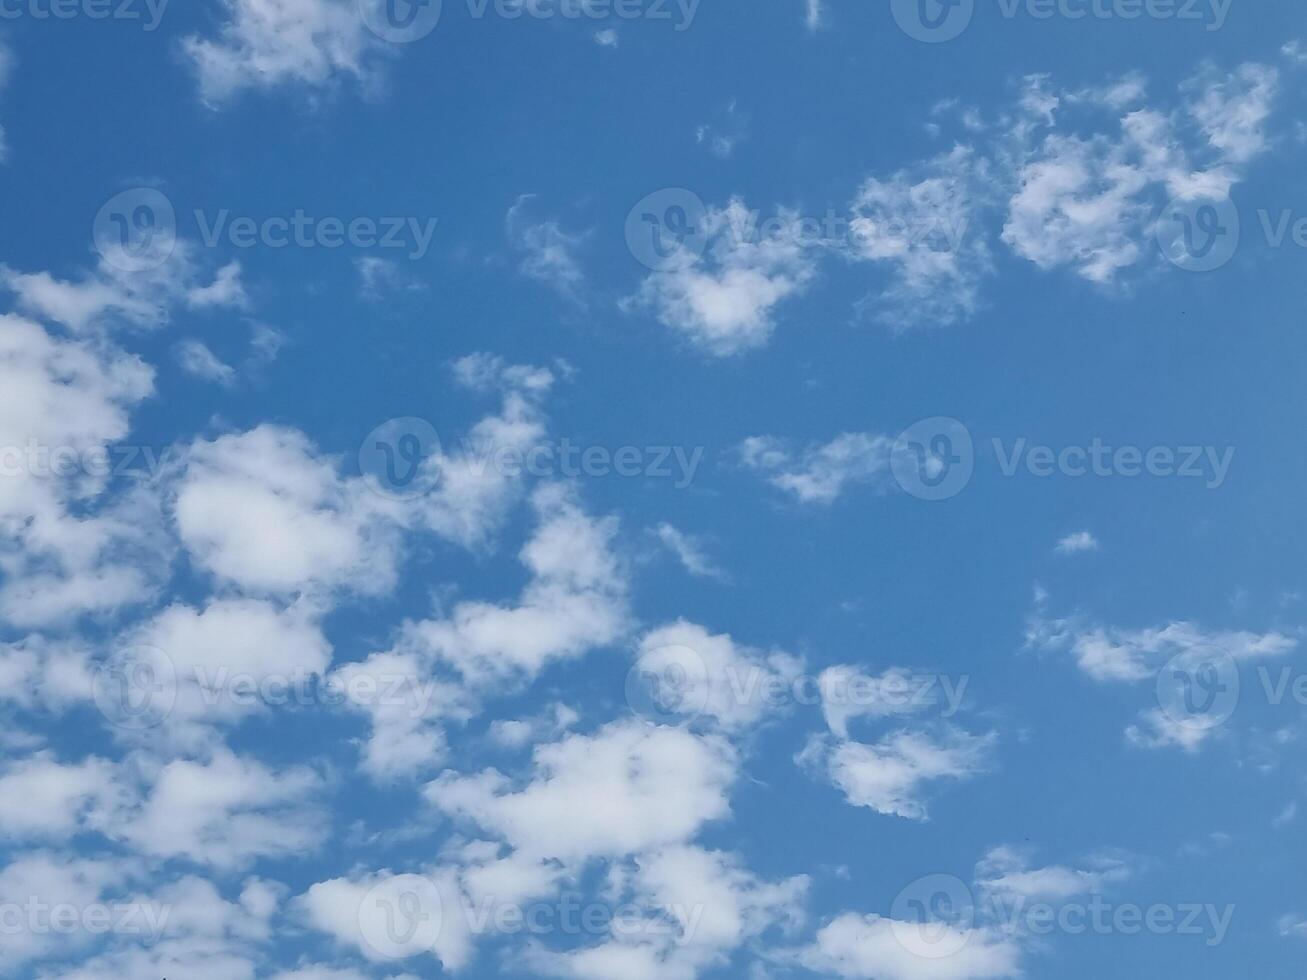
[874,948]
[68,551]
[925,225]
[379,278]
[196,359]
[112,296]
[1077,543]
[890,777]
[813,14]
[438,670]
[689,551]
[717,678]
[42,799]
[848,693]
[264,511]
[549,254]
[699,907]
[1005,875]
[629,788]
[725,300]
[268,43]
[228,811]
[1292,927]
[819,474]
[1111,654]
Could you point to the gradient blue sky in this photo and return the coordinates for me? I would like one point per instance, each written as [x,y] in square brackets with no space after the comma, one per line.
[1013,191]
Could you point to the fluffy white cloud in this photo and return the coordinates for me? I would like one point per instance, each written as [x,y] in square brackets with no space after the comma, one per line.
[1005,874]
[117,293]
[263,511]
[40,798]
[724,301]
[629,788]
[267,43]
[715,677]
[227,812]
[689,551]
[67,402]
[891,776]
[1077,543]
[924,224]
[1087,200]
[698,907]
[819,474]
[874,948]
[549,254]
[197,360]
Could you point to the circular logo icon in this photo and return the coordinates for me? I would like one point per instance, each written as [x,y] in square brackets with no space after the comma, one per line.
[933,917]
[400,21]
[1199,234]
[933,459]
[401,917]
[1199,689]
[668,685]
[401,458]
[136,688]
[933,21]
[136,230]
[668,229]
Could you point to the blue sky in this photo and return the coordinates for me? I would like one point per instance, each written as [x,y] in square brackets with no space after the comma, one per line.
[651,490]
